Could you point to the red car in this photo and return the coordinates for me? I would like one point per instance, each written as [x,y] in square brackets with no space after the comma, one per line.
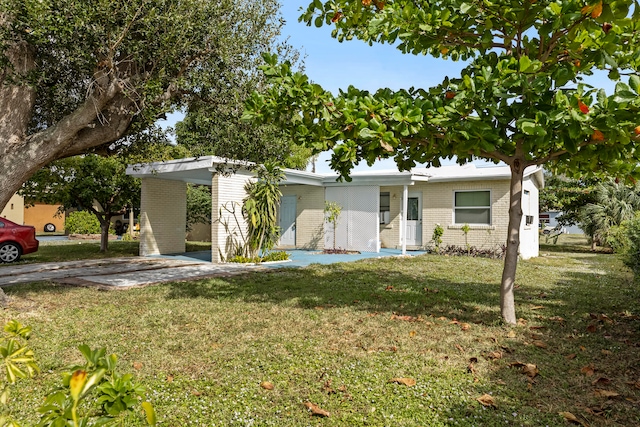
[16,240]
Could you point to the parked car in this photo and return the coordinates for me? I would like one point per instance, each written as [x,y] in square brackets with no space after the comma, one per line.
[16,240]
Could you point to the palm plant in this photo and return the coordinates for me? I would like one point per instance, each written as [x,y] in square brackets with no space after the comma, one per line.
[614,203]
[260,209]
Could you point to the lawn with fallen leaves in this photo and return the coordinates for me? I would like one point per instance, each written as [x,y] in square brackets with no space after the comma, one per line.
[388,342]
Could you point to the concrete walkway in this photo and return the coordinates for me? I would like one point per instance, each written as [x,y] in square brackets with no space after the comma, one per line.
[120,273]
[111,273]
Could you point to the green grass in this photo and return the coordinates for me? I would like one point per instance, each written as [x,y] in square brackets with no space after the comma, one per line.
[206,345]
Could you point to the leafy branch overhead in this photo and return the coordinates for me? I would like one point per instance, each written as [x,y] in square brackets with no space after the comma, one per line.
[521,99]
[520,95]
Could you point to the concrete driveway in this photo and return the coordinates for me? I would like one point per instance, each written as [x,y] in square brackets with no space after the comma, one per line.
[113,273]
[121,273]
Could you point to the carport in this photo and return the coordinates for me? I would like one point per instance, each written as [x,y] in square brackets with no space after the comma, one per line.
[163,204]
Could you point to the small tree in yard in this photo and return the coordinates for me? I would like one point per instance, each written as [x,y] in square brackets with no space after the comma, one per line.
[520,100]
[91,183]
[332,211]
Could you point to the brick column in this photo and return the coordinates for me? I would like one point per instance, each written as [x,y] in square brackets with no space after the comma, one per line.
[163,216]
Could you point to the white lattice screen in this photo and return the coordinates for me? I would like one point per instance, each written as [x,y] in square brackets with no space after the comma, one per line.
[358,225]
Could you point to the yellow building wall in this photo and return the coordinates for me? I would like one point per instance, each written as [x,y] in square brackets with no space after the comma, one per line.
[40,214]
[14,211]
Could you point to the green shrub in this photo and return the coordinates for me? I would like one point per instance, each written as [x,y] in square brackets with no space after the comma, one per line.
[276,256]
[618,238]
[632,252]
[82,222]
[92,394]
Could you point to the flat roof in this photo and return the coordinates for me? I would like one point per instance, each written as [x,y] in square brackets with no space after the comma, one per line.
[199,170]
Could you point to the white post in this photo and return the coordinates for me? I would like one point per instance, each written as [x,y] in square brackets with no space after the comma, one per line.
[131,220]
[403,229]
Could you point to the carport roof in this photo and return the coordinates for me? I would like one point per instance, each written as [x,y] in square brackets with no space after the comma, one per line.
[199,170]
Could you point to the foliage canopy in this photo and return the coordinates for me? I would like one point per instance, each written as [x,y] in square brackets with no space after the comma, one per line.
[520,100]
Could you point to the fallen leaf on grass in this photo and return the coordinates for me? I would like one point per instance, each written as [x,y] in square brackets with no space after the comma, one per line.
[572,418]
[196,393]
[594,411]
[316,410]
[494,355]
[588,370]
[412,334]
[606,352]
[533,328]
[170,378]
[327,387]
[409,382]
[405,318]
[529,369]
[137,366]
[601,380]
[470,368]
[388,288]
[522,322]
[266,385]
[511,334]
[487,400]
[592,328]
[460,349]
[605,393]
[570,356]
[539,344]
[465,326]
[537,307]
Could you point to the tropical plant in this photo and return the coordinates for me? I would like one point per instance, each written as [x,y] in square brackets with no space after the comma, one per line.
[332,211]
[436,237]
[260,209]
[520,100]
[93,394]
[614,203]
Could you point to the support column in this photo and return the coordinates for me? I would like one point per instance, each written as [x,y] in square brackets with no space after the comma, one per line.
[163,216]
[403,228]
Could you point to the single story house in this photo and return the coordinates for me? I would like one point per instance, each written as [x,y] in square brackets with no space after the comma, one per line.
[388,209]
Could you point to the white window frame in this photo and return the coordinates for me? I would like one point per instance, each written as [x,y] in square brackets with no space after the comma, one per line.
[526,210]
[453,213]
[385,219]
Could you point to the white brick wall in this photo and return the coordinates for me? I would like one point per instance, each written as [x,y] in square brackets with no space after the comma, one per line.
[227,230]
[437,208]
[309,215]
[163,213]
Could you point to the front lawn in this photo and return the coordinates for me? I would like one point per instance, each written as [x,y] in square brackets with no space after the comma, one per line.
[335,335]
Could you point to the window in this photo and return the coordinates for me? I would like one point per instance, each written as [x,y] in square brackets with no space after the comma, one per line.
[385,207]
[526,208]
[472,207]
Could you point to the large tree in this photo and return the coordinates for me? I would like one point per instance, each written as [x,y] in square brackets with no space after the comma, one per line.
[81,74]
[521,99]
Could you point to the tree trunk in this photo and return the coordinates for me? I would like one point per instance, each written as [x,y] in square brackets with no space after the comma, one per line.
[104,234]
[507,301]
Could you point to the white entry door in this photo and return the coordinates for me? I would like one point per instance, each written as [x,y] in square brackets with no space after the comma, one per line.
[288,221]
[414,219]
